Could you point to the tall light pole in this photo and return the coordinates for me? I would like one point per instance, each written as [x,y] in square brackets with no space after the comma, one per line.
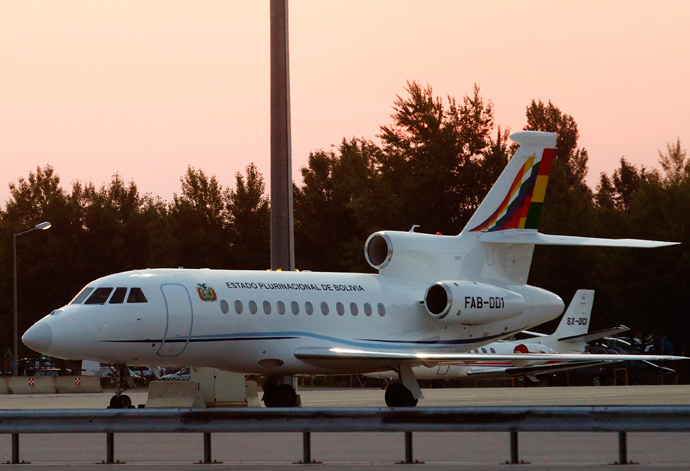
[282,231]
[42,227]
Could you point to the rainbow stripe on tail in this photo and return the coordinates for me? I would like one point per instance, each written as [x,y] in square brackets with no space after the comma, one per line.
[521,207]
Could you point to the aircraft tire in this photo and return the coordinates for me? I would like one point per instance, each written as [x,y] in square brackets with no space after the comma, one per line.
[120,402]
[282,395]
[125,402]
[398,395]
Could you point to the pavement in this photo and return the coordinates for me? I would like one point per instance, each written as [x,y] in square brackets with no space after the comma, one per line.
[371,451]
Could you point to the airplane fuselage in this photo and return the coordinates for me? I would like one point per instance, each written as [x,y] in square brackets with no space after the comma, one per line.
[253,321]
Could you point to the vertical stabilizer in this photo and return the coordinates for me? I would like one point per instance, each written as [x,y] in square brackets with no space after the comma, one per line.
[515,200]
[574,323]
[513,204]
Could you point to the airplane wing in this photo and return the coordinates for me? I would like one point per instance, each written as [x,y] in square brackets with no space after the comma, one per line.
[523,236]
[599,334]
[331,355]
[512,371]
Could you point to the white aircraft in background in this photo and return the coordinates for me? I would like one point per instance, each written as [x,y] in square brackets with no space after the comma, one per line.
[571,336]
[434,299]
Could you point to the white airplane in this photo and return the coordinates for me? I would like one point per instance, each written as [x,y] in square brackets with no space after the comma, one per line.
[434,299]
[571,336]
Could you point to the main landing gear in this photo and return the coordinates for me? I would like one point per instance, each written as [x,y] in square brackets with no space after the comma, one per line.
[124,381]
[397,395]
[278,393]
[405,392]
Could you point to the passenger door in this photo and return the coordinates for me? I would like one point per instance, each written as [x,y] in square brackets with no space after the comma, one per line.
[178,307]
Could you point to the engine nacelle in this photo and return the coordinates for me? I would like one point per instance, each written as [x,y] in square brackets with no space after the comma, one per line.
[413,255]
[471,303]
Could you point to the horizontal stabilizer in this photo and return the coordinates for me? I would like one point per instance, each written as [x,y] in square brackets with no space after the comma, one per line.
[599,334]
[534,334]
[522,236]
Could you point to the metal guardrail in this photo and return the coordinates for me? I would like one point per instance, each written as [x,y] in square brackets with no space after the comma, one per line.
[512,419]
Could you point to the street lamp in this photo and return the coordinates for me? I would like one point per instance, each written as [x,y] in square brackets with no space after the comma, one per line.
[42,227]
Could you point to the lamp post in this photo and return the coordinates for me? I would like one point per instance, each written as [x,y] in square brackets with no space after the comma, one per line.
[42,226]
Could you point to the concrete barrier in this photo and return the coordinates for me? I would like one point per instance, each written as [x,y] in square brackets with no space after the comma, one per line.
[3,385]
[220,388]
[78,384]
[31,384]
[175,394]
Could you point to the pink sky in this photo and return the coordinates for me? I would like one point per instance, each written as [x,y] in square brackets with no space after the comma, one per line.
[147,88]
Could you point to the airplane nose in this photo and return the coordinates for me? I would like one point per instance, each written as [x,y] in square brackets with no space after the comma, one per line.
[38,337]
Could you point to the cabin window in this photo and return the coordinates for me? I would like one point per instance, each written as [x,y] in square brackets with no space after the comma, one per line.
[324,308]
[81,296]
[224,307]
[136,295]
[309,308]
[281,307]
[267,307]
[382,310]
[252,307]
[354,309]
[367,309]
[484,350]
[238,307]
[118,296]
[100,296]
[492,350]
[295,307]
[340,308]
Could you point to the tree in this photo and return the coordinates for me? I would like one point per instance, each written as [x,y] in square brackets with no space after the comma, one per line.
[568,156]
[568,206]
[333,209]
[674,163]
[42,258]
[200,237]
[431,157]
[249,216]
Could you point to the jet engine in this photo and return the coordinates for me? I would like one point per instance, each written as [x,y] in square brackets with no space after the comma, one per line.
[472,303]
[413,255]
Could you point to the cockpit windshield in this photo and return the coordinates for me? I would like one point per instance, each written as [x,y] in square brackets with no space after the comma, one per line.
[83,294]
[136,295]
[100,296]
[92,295]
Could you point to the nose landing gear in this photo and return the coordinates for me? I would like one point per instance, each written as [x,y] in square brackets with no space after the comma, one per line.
[124,381]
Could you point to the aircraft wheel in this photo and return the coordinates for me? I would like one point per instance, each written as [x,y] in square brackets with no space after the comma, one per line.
[120,402]
[115,402]
[125,402]
[286,396]
[398,395]
[282,395]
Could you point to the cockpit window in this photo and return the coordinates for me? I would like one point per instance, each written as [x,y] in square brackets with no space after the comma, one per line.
[83,294]
[136,295]
[100,296]
[118,296]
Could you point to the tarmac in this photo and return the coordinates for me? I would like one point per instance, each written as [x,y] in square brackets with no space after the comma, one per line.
[370,451]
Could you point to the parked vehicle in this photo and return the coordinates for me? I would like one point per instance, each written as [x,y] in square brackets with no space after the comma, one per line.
[182,375]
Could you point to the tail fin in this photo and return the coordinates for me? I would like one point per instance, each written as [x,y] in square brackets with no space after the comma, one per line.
[574,324]
[515,200]
[513,203]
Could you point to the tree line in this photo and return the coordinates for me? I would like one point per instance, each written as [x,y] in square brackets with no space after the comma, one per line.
[430,166]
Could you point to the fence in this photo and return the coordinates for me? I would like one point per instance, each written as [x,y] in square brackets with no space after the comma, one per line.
[511,419]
